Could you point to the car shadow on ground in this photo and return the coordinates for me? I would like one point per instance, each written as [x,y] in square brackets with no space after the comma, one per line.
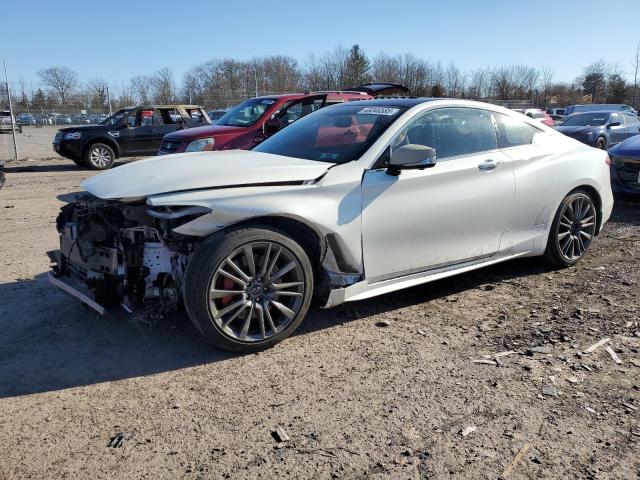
[24,167]
[49,341]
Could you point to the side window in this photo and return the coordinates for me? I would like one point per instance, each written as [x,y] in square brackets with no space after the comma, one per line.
[513,132]
[131,118]
[146,118]
[629,119]
[298,109]
[166,116]
[451,131]
[196,115]
[616,118]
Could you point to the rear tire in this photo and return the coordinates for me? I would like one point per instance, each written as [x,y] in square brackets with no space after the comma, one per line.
[247,289]
[99,156]
[572,230]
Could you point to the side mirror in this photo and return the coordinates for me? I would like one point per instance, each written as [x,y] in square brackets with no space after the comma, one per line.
[613,124]
[411,157]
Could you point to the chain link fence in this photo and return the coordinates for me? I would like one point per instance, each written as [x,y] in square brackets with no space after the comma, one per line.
[37,112]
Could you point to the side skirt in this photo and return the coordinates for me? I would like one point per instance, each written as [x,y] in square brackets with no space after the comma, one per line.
[364,289]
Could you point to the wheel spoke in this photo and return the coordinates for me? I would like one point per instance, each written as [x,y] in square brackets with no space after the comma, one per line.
[569,212]
[562,235]
[234,316]
[230,308]
[288,267]
[586,235]
[580,245]
[267,314]
[282,286]
[273,262]
[286,311]
[237,269]
[233,277]
[265,261]
[263,332]
[248,254]
[286,293]
[247,323]
[225,293]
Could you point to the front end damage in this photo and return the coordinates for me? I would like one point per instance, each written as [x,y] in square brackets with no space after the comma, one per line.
[122,253]
[129,254]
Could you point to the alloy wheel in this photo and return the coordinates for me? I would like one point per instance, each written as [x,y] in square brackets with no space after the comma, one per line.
[100,157]
[257,291]
[576,228]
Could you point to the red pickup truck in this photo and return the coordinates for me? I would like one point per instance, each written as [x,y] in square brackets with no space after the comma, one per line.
[251,122]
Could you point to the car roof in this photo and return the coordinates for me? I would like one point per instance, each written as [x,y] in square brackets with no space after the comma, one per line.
[174,105]
[397,101]
[294,96]
[591,112]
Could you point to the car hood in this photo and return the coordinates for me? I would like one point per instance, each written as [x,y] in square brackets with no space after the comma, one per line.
[629,148]
[571,131]
[201,170]
[204,132]
[84,128]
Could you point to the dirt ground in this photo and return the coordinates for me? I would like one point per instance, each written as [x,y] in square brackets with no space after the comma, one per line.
[385,388]
[33,143]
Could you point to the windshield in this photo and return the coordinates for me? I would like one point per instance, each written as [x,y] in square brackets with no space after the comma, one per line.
[536,114]
[247,113]
[586,120]
[116,117]
[337,134]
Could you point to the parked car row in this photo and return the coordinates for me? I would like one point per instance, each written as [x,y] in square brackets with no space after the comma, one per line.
[164,129]
[336,204]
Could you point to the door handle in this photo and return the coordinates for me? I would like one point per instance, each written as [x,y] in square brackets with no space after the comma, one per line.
[489,165]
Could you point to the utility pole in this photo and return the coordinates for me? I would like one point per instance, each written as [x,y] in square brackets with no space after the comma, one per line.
[109,100]
[13,124]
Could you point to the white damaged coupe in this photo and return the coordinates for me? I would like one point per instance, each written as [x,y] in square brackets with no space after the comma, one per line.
[351,201]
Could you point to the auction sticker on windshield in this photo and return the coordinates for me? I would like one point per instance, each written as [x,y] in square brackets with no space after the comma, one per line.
[378,111]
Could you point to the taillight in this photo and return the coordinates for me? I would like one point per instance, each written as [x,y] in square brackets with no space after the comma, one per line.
[607,160]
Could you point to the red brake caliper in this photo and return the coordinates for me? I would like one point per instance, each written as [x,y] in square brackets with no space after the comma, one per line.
[227,284]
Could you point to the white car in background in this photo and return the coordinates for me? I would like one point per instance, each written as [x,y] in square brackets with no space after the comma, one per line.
[349,202]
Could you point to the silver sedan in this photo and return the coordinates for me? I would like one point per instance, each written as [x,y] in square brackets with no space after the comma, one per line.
[351,201]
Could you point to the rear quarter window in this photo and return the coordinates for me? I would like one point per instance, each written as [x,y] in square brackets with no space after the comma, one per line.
[513,132]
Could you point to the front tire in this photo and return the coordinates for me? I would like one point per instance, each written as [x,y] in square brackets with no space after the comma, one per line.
[572,230]
[601,143]
[99,156]
[249,288]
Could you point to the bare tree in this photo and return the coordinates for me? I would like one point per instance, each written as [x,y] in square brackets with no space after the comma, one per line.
[163,86]
[546,78]
[98,88]
[454,81]
[62,79]
[141,88]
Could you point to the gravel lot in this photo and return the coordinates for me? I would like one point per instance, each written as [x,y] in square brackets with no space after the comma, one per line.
[33,142]
[379,389]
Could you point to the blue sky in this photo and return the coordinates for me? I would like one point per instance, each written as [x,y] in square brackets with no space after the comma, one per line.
[118,39]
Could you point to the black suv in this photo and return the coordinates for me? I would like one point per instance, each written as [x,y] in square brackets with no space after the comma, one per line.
[132,131]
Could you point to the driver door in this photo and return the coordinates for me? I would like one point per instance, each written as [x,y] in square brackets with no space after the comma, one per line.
[451,213]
